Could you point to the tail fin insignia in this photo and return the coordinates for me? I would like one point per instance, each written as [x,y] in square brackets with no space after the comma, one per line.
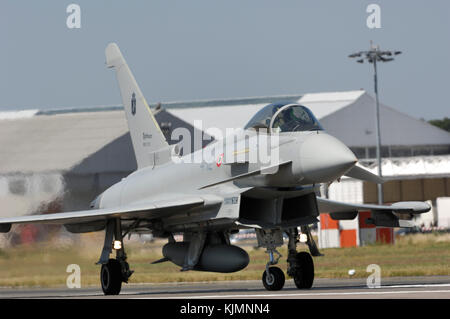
[133,104]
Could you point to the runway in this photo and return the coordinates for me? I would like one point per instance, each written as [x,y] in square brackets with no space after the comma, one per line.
[433,287]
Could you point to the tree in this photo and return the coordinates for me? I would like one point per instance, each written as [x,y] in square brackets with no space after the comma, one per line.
[443,124]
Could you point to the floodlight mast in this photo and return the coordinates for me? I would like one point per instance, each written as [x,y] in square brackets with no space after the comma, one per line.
[373,56]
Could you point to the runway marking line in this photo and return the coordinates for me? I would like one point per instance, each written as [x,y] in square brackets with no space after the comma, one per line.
[416,286]
[305,294]
[373,291]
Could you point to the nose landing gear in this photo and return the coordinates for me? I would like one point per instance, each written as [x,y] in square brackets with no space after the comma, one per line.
[300,264]
[273,277]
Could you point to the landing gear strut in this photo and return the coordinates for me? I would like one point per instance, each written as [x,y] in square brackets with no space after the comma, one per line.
[113,271]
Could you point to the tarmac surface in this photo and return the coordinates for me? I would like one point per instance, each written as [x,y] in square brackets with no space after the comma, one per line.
[432,287]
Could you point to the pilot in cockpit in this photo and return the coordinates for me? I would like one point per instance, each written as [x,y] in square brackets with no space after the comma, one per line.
[284,118]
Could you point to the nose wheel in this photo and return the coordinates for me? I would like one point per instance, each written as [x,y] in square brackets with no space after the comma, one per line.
[273,279]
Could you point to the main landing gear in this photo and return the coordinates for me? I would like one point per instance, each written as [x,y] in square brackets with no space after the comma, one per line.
[113,271]
[300,264]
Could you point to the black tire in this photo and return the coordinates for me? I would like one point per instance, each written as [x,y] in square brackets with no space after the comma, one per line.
[304,273]
[278,279]
[111,277]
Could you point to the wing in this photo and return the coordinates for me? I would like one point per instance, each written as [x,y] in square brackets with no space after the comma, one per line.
[331,206]
[383,215]
[145,210]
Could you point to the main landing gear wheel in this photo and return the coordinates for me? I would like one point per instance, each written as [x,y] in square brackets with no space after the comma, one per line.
[111,277]
[274,280]
[304,270]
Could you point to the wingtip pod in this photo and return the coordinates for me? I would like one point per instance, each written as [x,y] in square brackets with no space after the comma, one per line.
[415,207]
[113,55]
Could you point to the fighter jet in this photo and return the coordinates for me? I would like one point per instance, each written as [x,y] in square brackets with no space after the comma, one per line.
[208,200]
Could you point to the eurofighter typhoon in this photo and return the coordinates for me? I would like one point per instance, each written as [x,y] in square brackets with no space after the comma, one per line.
[265,176]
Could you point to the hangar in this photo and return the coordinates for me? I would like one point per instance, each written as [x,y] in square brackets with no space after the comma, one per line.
[59,160]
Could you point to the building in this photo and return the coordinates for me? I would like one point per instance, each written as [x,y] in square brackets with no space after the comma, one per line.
[415,178]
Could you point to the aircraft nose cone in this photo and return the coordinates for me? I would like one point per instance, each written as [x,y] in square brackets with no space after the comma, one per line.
[323,158]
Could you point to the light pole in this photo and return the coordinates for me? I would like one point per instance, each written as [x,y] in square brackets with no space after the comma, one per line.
[373,56]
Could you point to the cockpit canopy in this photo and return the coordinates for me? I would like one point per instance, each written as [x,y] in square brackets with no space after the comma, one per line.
[284,117]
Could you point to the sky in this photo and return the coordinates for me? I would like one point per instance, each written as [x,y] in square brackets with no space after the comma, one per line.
[197,50]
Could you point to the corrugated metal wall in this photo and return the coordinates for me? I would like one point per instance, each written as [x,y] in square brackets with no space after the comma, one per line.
[421,189]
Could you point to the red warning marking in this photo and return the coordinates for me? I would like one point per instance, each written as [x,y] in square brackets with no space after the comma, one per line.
[219,160]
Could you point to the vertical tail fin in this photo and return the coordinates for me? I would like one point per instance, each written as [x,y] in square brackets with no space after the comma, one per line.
[148,140]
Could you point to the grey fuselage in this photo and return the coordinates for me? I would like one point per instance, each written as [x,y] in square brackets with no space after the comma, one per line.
[305,158]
